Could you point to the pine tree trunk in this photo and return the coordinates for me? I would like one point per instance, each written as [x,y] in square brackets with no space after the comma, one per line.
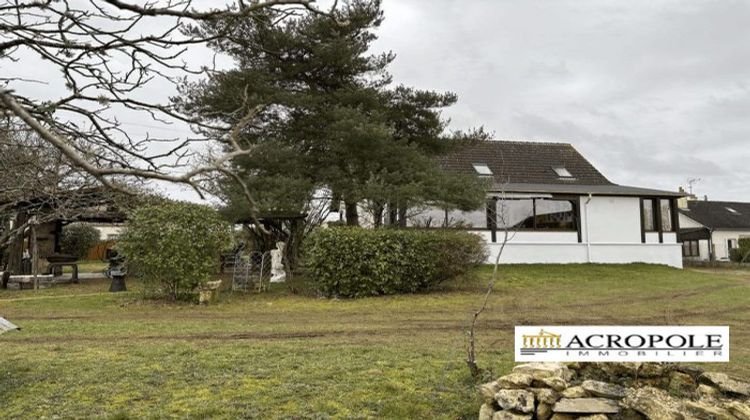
[402,217]
[378,215]
[293,245]
[352,215]
[392,214]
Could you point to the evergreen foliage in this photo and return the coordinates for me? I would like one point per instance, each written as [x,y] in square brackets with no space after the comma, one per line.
[355,262]
[77,239]
[741,254]
[174,246]
[329,118]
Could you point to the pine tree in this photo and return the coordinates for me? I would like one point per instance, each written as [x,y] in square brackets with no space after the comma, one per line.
[328,117]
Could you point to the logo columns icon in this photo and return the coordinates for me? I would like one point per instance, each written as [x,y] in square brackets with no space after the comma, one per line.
[542,340]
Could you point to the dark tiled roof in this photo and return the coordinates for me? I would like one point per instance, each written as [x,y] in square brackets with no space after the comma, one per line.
[520,162]
[527,167]
[716,214]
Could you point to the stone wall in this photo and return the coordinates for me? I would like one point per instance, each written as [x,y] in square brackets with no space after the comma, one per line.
[598,391]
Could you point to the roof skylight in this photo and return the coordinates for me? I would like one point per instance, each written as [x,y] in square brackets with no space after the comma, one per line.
[562,172]
[482,168]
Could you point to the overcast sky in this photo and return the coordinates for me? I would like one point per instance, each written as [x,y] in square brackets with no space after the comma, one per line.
[652,92]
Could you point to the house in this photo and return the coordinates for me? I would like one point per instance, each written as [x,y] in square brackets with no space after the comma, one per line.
[556,207]
[709,229]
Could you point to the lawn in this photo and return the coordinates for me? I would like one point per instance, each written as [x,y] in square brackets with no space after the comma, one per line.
[89,266]
[84,353]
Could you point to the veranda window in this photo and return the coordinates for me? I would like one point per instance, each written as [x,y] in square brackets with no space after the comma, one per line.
[648,216]
[537,214]
[658,215]
[666,215]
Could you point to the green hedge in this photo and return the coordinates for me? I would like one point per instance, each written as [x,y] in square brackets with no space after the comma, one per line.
[356,262]
[737,254]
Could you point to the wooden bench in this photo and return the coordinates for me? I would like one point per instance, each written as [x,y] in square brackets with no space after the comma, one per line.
[27,282]
[74,277]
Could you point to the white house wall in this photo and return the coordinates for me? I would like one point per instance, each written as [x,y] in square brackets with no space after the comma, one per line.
[602,253]
[688,223]
[720,237]
[613,219]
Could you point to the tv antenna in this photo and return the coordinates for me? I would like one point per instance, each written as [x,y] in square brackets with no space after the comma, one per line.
[691,182]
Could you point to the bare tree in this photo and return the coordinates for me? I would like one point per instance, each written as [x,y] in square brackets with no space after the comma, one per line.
[509,231]
[39,186]
[110,57]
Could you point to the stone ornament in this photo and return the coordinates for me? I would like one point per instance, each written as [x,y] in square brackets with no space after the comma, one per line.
[278,274]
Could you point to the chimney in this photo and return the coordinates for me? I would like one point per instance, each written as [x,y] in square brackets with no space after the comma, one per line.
[682,202]
[705,198]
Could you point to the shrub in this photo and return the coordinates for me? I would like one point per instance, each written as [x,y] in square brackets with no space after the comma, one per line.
[737,254]
[456,252]
[355,262]
[174,247]
[77,239]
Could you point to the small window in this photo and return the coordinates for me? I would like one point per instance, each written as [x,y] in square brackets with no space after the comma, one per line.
[666,215]
[690,249]
[648,215]
[731,210]
[562,172]
[482,169]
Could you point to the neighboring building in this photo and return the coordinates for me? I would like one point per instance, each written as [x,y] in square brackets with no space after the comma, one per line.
[709,229]
[556,207]
[108,231]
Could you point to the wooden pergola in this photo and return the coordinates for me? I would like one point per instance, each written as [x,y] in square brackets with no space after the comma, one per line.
[41,239]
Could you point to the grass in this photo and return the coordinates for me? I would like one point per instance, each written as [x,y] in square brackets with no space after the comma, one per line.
[93,266]
[86,353]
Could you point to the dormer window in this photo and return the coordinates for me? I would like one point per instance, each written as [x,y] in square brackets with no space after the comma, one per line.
[562,172]
[731,210]
[482,169]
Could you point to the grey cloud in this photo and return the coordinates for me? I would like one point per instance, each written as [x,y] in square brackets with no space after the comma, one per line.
[651,92]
